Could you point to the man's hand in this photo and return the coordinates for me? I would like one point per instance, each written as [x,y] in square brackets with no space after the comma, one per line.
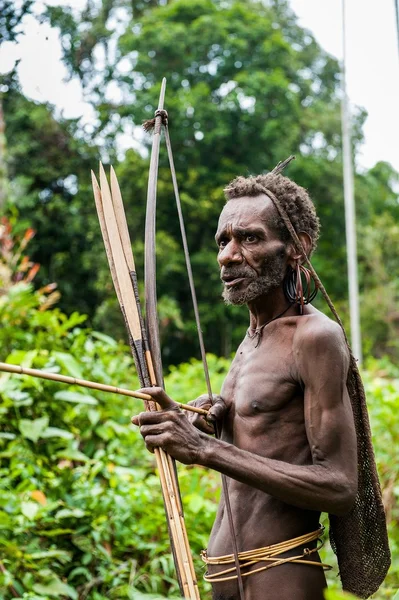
[216,411]
[169,429]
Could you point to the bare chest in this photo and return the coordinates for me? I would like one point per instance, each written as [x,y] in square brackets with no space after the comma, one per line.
[262,388]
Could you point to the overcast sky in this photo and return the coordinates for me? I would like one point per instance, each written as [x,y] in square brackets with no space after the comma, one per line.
[372,66]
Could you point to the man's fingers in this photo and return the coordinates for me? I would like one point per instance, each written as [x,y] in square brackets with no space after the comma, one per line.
[218,410]
[154,441]
[156,416]
[160,396]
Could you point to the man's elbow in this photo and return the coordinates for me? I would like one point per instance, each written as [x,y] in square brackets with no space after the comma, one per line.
[344,496]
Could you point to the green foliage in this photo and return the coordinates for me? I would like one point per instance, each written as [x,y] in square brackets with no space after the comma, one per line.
[247,86]
[81,514]
[46,161]
[381,382]
[336,595]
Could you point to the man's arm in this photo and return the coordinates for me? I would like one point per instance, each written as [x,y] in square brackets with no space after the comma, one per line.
[330,483]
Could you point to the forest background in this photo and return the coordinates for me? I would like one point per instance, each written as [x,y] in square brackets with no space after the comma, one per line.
[80,509]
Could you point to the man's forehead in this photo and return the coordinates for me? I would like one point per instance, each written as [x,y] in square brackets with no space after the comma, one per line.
[246,209]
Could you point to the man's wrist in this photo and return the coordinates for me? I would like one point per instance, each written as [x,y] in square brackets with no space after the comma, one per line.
[206,450]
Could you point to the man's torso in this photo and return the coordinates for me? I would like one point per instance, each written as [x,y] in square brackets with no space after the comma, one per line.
[265,398]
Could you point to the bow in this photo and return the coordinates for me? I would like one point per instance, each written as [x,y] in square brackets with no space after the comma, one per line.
[179,542]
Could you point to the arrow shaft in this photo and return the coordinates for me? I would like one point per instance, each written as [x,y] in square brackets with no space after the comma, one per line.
[94,385]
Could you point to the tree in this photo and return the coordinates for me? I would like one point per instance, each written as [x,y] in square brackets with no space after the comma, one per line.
[49,191]
[246,87]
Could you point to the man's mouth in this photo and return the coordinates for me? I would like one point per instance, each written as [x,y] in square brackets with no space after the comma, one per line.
[231,281]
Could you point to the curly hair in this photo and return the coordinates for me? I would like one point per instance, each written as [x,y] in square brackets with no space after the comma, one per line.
[294,199]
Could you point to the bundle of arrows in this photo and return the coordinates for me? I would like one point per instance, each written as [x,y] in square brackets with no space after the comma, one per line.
[121,261]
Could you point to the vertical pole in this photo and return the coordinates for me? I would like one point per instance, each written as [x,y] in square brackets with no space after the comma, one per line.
[350,218]
[396,2]
[3,162]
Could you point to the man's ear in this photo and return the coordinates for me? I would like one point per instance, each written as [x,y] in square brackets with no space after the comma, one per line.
[294,254]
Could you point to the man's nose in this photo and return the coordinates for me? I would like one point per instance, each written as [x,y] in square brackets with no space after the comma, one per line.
[231,254]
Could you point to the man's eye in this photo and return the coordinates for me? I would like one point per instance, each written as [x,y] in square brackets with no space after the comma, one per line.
[251,238]
[222,243]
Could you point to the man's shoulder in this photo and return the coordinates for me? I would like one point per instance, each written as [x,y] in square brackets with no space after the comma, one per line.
[316,333]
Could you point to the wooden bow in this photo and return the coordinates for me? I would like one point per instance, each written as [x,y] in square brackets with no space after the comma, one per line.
[146,354]
[181,551]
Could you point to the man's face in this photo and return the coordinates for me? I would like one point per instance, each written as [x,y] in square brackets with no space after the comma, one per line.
[252,257]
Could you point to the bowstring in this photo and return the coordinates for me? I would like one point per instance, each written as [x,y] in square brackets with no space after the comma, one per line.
[202,348]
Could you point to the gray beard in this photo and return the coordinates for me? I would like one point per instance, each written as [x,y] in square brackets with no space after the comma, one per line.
[271,278]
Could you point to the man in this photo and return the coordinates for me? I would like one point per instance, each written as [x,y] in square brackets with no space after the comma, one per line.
[288,442]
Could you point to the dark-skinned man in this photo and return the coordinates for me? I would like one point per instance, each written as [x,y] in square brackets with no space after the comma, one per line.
[288,442]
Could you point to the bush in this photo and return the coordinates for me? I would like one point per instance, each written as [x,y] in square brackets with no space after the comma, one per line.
[81,514]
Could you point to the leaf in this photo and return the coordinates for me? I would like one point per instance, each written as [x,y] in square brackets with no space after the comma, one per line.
[83,542]
[64,513]
[73,455]
[75,397]
[39,497]
[56,588]
[104,338]
[7,436]
[64,557]
[56,432]
[94,416]
[32,430]
[55,532]
[69,363]
[29,509]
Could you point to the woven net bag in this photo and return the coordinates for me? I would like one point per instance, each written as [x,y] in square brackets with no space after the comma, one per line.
[359,539]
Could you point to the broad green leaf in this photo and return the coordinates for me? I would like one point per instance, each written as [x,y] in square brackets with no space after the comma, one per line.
[69,363]
[94,416]
[63,556]
[71,454]
[32,430]
[75,397]
[22,357]
[56,432]
[83,542]
[29,509]
[7,436]
[104,338]
[56,588]
[70,512]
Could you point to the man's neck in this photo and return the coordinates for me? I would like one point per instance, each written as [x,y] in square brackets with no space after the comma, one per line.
[268,307]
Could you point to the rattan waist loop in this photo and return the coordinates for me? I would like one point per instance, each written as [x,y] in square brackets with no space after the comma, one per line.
[268,554]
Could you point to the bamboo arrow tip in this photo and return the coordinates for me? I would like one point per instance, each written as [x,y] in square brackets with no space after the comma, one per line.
[104,186]
[94,179]
[114,179]
[102,171]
